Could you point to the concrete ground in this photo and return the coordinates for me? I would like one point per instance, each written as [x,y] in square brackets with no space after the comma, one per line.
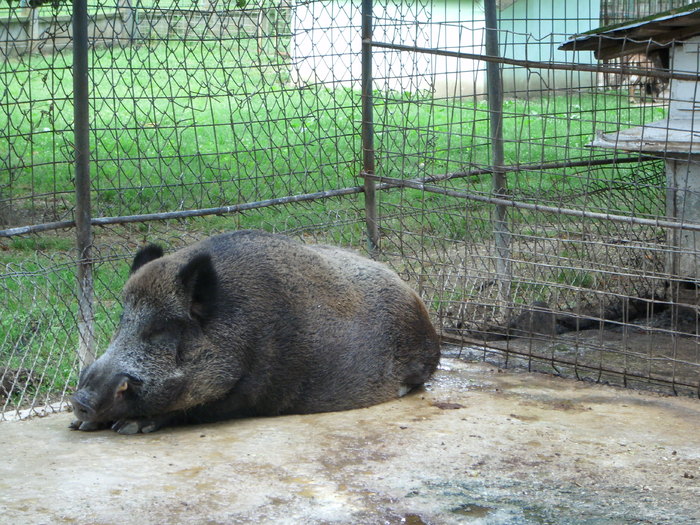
[478,446]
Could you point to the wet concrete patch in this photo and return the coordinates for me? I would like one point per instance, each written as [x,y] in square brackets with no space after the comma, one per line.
[665,362]
[478,445]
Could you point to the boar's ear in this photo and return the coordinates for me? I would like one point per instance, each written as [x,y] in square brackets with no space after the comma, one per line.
[199,279]
[146,255]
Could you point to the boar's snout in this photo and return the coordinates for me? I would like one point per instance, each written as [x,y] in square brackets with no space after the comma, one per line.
[82,406]
[103,398]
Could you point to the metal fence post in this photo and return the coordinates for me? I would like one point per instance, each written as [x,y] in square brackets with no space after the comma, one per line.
[368,129]
[86,347]
[500,186]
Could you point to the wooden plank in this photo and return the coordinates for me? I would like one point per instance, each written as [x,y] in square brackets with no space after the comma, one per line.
[678,136]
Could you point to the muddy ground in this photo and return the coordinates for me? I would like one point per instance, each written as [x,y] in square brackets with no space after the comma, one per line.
[478,445]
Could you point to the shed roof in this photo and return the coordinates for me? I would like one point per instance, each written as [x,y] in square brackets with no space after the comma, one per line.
[646,34]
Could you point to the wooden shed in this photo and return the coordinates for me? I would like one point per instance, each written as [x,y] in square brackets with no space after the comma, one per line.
[672,38]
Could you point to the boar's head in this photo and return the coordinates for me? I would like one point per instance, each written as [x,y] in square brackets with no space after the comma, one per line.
[150,369]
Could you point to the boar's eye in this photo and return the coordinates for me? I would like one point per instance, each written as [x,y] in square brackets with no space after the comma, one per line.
[158,337]
[162,332]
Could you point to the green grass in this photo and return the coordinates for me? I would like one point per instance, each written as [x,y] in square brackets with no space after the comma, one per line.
[38,329]
[64,8]
[209,128]
[192,136]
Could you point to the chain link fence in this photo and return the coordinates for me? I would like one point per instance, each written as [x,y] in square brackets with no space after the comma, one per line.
[208,116]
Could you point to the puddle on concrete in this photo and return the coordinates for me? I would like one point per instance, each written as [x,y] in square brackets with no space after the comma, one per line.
[472,510]
[413,519]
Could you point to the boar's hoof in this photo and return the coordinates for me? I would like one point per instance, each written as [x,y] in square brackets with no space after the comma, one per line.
[86,426]
[134,426]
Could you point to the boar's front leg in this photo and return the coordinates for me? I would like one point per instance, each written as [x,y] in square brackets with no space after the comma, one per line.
[125,426]
[87,426]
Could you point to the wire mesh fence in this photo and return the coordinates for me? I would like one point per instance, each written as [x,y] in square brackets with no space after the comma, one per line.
[207,116]
[587,282]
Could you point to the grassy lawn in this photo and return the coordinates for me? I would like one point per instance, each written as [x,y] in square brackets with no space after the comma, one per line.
[205,124]
[65,7]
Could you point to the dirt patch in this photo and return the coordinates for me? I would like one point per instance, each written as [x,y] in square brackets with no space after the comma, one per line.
[14,379]
[522,448]
[648,360]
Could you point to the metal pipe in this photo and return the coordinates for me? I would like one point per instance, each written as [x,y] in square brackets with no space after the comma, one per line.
[660,223]
[587,163]
[368,130]
[81,105]
[494,86]
[307,197]
[534,64]
[124,219]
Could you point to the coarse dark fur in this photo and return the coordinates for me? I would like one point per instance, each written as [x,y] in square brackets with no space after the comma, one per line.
[250,323]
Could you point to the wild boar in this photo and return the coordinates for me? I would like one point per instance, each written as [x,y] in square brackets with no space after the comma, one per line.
[250,323]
